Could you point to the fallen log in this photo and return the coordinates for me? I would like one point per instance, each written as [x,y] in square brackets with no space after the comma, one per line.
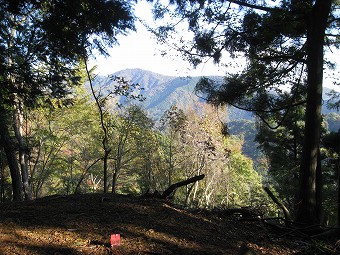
[176,185]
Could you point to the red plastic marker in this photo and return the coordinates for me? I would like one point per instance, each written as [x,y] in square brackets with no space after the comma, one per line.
[115,240]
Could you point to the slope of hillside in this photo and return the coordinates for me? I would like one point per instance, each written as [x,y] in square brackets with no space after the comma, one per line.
[82,224]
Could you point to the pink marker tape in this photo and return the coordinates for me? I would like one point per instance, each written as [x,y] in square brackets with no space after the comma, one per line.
[115,240]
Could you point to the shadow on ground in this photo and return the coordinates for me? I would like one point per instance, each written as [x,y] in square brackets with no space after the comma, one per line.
[82,224]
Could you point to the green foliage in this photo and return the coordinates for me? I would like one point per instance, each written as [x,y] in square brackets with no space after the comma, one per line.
[69,23]
[123,91]
[64,143]
[283,147]
[131,134]
[246,182]
[65,154]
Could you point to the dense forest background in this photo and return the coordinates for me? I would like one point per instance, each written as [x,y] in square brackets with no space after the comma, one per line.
[148,153]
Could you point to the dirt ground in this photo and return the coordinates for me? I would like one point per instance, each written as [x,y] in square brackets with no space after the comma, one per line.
[82,224]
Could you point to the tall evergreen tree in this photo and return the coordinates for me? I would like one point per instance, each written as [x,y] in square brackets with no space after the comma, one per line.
[283,44]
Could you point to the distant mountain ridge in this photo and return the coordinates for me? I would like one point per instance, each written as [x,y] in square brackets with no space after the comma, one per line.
[161,91]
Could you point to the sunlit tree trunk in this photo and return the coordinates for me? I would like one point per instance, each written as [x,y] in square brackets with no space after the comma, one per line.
[310,185]
[17,125]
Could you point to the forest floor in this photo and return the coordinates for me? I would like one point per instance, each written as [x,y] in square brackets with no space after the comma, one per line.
[82,224]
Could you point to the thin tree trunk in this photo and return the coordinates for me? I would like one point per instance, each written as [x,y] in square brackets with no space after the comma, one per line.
[118,162]
[149,171]
[17,125]
[308,208]
[117,167]
[114,181]
[105,142]
[2,177]
[106,158]
[171,165]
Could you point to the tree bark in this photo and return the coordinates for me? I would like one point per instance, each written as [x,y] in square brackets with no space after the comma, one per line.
[308,208]
[11,157]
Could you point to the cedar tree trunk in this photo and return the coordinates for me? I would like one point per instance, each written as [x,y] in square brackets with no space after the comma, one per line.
[309,187]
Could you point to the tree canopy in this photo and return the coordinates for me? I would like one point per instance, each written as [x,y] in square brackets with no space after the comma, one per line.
[43,41]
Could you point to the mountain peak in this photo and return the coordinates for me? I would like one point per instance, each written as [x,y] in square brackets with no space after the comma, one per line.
[139,72]
[147,79]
